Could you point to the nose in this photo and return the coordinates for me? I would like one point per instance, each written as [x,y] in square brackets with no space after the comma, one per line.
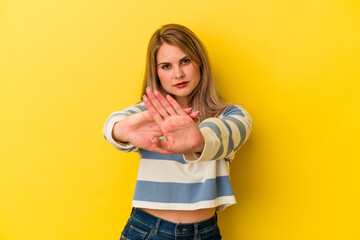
[179,73]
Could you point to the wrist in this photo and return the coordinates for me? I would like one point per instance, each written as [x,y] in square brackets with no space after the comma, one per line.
[118,133]
[199,148]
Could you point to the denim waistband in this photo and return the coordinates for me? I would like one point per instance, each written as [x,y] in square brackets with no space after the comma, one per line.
[176,229]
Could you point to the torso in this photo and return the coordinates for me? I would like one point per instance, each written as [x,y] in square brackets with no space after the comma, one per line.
[183,216]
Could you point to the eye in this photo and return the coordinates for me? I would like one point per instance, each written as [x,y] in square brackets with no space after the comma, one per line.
[165,66]
[186,61]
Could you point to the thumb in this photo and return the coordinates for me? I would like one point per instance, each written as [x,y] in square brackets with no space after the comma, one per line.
[156,141]
[164,145]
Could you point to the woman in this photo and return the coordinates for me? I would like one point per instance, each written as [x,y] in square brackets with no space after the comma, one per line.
[183,176]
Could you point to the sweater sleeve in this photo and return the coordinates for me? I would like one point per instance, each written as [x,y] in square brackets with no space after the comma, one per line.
[114,118]
[223,135]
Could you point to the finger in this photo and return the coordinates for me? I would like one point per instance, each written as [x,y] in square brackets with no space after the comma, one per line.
[156,141]
[155,102]
[161,151]
[151,109]
[190,113]
[164,103]
[188,110]
[194,114]
[179,110]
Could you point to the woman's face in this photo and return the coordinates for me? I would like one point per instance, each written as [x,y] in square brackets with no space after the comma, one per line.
[178,75]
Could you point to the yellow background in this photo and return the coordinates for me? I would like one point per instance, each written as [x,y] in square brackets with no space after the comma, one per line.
[66,65]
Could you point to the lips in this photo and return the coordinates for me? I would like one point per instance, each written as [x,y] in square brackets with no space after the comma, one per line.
[181,84]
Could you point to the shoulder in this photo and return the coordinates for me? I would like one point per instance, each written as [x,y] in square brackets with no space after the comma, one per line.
[136,108]
[234,109]
[139,107]
[238,112]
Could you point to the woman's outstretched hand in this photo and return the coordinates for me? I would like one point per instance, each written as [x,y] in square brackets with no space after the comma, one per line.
[179,129]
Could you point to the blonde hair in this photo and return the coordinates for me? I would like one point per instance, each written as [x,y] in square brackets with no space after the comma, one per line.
[205,97]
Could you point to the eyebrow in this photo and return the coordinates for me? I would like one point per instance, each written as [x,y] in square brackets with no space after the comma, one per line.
[179,60]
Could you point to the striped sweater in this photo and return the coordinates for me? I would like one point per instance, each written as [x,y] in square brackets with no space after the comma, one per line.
[188,181]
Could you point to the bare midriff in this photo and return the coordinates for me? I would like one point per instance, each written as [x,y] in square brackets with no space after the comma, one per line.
[183,216]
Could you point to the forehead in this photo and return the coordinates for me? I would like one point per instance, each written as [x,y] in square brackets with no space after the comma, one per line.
[169,53]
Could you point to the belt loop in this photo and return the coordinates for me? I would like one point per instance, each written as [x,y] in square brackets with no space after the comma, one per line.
[132,211]
[157,226]
[196,231]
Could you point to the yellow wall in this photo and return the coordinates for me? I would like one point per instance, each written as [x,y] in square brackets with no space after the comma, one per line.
[66,65]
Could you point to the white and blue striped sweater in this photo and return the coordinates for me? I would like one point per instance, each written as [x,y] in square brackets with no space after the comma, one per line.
[188,181]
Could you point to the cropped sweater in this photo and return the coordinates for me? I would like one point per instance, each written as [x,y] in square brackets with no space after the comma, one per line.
[188,181]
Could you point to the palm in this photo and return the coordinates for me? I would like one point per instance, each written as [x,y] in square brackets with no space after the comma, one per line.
[140,128]
[181,133]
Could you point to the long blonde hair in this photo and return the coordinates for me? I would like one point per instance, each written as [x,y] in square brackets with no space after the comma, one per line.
[205,97]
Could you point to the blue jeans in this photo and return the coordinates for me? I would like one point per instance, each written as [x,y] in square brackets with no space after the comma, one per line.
[145,226]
